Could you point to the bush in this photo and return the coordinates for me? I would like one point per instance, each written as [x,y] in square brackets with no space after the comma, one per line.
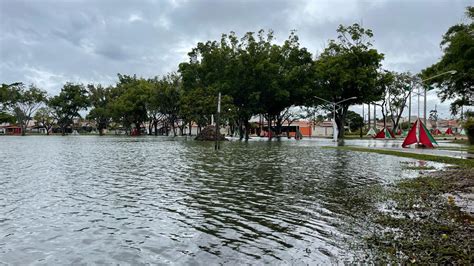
[469,128]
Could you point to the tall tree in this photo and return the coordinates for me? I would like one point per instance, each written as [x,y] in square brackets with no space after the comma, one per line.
[130,101]
[168,94]
[45,118]
[397,94]
[25,102]
[100,99]
[6,98]
[349,67]
[458,47]
[354,120]
[285,79]
[66,106]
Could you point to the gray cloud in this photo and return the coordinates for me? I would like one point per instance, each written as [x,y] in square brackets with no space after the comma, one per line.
[50,42]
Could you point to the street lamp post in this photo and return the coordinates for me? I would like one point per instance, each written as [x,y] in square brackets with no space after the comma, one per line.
[334,104]
[452,72]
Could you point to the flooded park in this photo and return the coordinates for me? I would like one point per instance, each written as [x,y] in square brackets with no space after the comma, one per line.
[117,200]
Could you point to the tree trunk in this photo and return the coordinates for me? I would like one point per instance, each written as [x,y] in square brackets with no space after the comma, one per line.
[155,126]
[150,126]
[340,121]
[270,123]
[241,129]
[279,125]
[101,131]
[247,130]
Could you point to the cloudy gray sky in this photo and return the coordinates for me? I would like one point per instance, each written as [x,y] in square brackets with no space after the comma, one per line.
[49,42]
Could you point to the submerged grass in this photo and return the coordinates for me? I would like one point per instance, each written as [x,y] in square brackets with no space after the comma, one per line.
[422,225]
[465,163]
[419,222]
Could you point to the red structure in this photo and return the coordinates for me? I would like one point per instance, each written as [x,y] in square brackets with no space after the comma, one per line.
[436,132]
[420,135]
[12,130]
[385,133]
[449,131]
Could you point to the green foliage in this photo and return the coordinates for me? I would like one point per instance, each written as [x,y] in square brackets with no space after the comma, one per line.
[24,103]
[6,118]
[354,120]
[396,95]
[100,99]
[257,75]
[458,48]
[130,97]
[44,117]
[469,128]
[8,95]
[349,67]
[66,106]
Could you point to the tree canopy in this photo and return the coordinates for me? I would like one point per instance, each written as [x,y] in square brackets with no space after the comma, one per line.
[458,54]
[349,67]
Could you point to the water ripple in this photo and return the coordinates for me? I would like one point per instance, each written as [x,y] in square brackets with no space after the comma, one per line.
[112,200]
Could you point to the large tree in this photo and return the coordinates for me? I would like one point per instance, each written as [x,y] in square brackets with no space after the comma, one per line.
[349,67]
[100,99]
[260,77]
[6,101]
[458,48]
[66,106]
[397,87]
[129,105]
[45,118]
[25,102]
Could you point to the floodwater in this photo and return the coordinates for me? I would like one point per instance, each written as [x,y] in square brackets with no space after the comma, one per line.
[122,200]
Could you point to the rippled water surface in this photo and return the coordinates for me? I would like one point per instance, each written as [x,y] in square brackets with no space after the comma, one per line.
[69,200]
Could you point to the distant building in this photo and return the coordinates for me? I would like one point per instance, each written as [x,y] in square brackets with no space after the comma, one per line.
[10,130]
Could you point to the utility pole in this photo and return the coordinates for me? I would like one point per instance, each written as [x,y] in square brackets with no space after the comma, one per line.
[375,117]
[424,106]
[363,113]
[217,144]
[368,114]
[409,109]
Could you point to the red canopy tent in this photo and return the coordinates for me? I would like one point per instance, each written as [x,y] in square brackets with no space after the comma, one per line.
[449,131]
[420,135]
[385,133]
[436,132]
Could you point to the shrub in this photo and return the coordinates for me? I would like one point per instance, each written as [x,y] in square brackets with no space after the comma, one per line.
[469,128]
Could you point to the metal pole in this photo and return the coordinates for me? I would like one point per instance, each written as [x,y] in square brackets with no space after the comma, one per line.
[363,113]
[409,109]
[418,102]
[375,117]
[424,106]
[368,114]
[217,146]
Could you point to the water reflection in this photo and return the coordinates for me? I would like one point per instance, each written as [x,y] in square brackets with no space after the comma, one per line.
[141,200]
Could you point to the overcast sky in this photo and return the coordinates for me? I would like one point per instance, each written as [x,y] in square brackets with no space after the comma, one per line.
[50,42]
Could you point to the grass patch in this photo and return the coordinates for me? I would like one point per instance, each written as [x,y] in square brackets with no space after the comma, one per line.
[417,221]
[466,163]
[469,149]
[422,226]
